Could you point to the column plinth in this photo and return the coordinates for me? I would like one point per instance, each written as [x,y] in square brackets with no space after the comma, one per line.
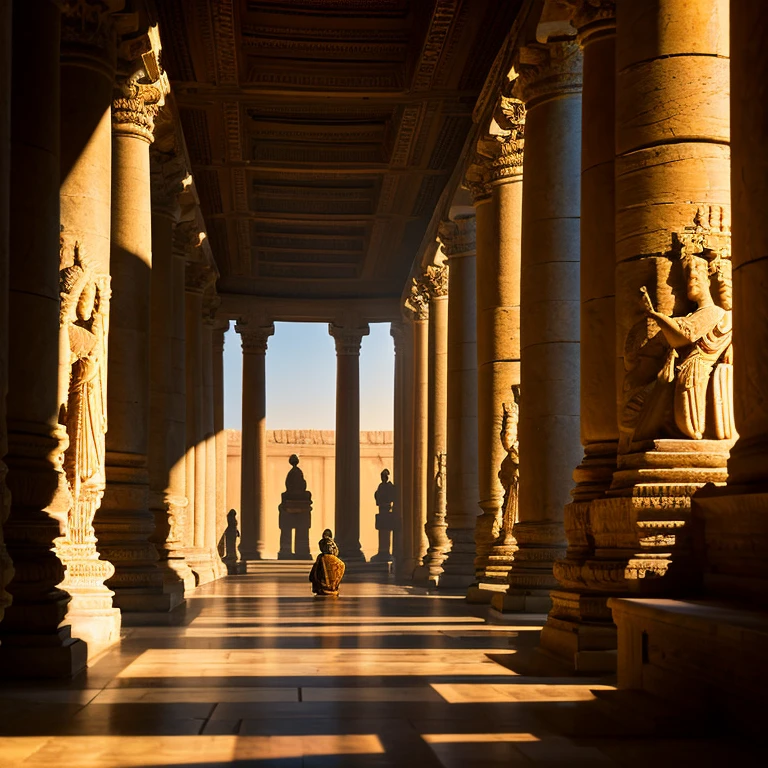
[254,339]
[458,243]
[347,520]
[549,84]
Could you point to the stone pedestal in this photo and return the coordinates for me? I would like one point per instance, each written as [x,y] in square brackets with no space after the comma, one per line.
[348,338]
[435,282]
[254,457]
[33,643]
[549,83]
[295,515]
[458,242]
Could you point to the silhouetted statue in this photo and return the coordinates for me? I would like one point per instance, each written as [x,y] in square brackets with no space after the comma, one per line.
[385,519]
[295,514]
[328,570]
[229,541]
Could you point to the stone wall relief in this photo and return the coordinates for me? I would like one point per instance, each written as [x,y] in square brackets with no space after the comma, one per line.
[678,363]
[84,321]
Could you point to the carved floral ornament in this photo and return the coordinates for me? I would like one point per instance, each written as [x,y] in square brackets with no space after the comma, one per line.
[141,93]
[436,280]
[254,337]
[417,302]
[198,277]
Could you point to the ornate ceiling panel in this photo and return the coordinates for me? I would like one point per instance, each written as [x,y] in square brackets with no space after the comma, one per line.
[323,132]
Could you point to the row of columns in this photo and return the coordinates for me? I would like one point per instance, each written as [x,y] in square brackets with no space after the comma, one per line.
[108,353]
[589,334]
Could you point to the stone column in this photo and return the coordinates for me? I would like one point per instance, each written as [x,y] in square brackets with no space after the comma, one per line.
[549,83]
[458,242]
[402,537]
[88,55]
[220,327]
[435,283]
[6,567]
[253,491]
[125,523]
[347,519]
[499,222]
[35,642]
[673,292]
[167,422]
[735,518]
[579,630]
[210,304]
[199,278]
[418,305]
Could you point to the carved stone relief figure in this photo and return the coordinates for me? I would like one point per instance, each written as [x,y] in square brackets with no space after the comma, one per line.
[679,371]
[84,318]
[509,473]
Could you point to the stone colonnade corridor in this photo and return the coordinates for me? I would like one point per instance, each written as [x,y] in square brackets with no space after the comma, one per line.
[260,673]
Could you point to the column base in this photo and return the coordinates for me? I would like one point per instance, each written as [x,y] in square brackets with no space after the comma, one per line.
[382,557]
[98,628]
[202,563]
[427,576]
[459,564]
[580,632]
[42,656]
[519,601]
[482,592]
[143,600]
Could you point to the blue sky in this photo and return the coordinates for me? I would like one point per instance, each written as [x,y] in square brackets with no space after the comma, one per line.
[301,378]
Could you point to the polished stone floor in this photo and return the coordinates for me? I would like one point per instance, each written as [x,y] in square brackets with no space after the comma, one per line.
[259,673]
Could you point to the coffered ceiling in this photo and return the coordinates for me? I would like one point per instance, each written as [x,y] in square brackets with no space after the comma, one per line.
[323,132]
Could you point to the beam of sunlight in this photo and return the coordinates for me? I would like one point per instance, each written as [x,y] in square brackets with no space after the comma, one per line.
[264,617]
[475,738]
[312,662]
[483,693]
[131,752]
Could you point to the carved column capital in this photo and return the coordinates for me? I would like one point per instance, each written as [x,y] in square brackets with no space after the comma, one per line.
[547,70]
[398,334]
[417,302]
[89,32]
[457,237]
[254,337]
[593,19]
[348,337]
[436,281]
[198,277]
[477,177]
[506,162]
[142,88]
[169,177]
[188,240]
[211,304]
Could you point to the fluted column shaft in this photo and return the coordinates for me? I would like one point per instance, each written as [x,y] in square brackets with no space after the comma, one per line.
[347,520]
[458,239]
[254,441]
[33,644]
[420,434]
[210,443]
[549,83]
[167,432]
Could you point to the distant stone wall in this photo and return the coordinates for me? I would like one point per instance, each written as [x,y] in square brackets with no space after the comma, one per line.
[316,451]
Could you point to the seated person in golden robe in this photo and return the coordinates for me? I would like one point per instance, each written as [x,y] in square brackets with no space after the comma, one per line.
[328,570]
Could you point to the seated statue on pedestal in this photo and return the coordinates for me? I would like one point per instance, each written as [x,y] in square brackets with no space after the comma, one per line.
[328,570]
[295,513]
[385,519]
